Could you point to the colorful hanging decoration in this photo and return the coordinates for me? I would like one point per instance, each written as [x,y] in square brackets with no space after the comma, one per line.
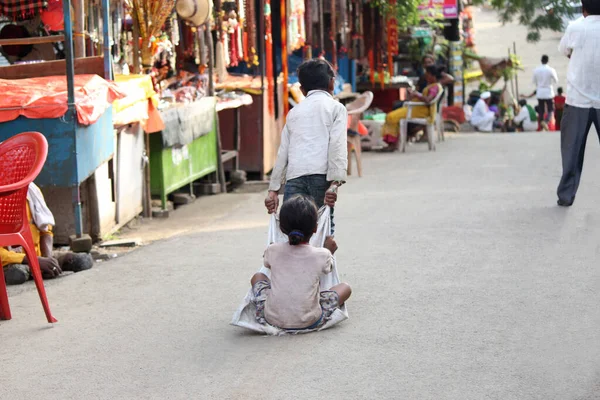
[307,53]
[296,26]
[250,36]
[284,54]
[269,58]
[333,34]
[392,39]
[149,16]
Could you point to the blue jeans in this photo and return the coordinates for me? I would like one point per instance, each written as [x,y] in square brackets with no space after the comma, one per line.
[313,186]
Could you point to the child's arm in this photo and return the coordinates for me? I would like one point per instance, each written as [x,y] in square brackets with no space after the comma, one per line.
[337,156]
[278,173]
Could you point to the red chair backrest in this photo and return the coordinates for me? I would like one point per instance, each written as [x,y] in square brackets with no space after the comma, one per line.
[21,160]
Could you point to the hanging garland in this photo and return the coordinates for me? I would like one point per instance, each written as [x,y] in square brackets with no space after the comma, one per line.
[392,39]
[249,44]
[284,55]
[269,58]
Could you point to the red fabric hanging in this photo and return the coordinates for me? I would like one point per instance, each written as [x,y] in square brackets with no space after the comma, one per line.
[284,56]
[269,59]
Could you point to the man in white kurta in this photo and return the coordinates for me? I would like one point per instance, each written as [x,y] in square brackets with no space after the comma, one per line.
[482,118]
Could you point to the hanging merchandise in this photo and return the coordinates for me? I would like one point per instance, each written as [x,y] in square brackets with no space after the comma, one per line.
[372,48]
[284,55]
[309,32]
[53,17]
[333,34]
[194,12]
[20,10]
[296,26]
[392,40]
[269,58]
[250,35]
[149,17]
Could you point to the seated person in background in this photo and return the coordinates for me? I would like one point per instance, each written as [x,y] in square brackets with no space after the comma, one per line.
[526,119]
[482,117]
[391,129]
[429,61]
[41,220]
[559,107]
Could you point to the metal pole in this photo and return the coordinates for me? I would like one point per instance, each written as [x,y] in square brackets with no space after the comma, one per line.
[108,73]
[70,116]
[69,55]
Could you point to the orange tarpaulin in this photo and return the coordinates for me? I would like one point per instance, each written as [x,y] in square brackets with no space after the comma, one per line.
[46,97]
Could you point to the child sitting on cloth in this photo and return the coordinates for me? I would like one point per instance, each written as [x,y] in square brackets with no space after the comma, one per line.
[313,154]
[291,299]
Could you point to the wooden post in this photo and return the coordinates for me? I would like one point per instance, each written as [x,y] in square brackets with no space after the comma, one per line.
[517,72]
[79,40]
[136,45]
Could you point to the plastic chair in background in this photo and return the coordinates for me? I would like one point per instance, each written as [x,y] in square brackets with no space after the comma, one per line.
[355,111]
[430,123]
[21,160]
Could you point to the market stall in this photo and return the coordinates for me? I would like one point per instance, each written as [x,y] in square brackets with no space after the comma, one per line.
[79,141]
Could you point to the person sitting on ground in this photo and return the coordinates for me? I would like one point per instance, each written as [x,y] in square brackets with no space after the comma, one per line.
[559,107]
[391,129]
[292,299]
[41,221]
[313,154]
[482,118]
[526,119]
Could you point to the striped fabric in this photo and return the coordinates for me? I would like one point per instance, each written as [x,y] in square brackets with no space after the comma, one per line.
[22,9]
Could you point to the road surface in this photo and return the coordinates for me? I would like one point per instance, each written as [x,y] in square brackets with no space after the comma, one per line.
[469,283]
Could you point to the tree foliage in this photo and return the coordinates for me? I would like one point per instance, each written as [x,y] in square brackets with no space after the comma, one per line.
[534,14]
[530,13]
[406,11]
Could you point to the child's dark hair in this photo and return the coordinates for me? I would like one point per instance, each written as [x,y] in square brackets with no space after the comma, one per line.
[522,102]
[315,74]
[298,219]
[560,90]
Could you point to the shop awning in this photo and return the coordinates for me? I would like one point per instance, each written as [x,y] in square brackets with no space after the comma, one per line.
[46,97]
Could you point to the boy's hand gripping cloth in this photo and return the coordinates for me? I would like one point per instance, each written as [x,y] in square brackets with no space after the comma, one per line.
[245,314]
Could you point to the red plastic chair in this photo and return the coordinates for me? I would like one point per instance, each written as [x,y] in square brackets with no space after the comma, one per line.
[21,160]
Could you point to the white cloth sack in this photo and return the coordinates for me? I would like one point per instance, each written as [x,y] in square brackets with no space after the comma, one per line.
[245,316]
[41,214]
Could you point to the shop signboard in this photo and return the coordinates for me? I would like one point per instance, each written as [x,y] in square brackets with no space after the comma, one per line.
[439,9]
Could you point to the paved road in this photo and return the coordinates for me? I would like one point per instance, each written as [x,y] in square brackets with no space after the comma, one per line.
[469,284]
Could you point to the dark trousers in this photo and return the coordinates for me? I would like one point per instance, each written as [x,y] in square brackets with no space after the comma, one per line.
[574,128]
[314,186]
[545,109]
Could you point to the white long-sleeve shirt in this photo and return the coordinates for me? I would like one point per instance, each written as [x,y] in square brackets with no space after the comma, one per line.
[544,79]
[581,43]
[313,141]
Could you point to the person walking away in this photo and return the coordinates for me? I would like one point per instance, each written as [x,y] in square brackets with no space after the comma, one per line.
[482,118]
[559,106]
[526,119]
[582,108]
[544,79]
[313,154]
